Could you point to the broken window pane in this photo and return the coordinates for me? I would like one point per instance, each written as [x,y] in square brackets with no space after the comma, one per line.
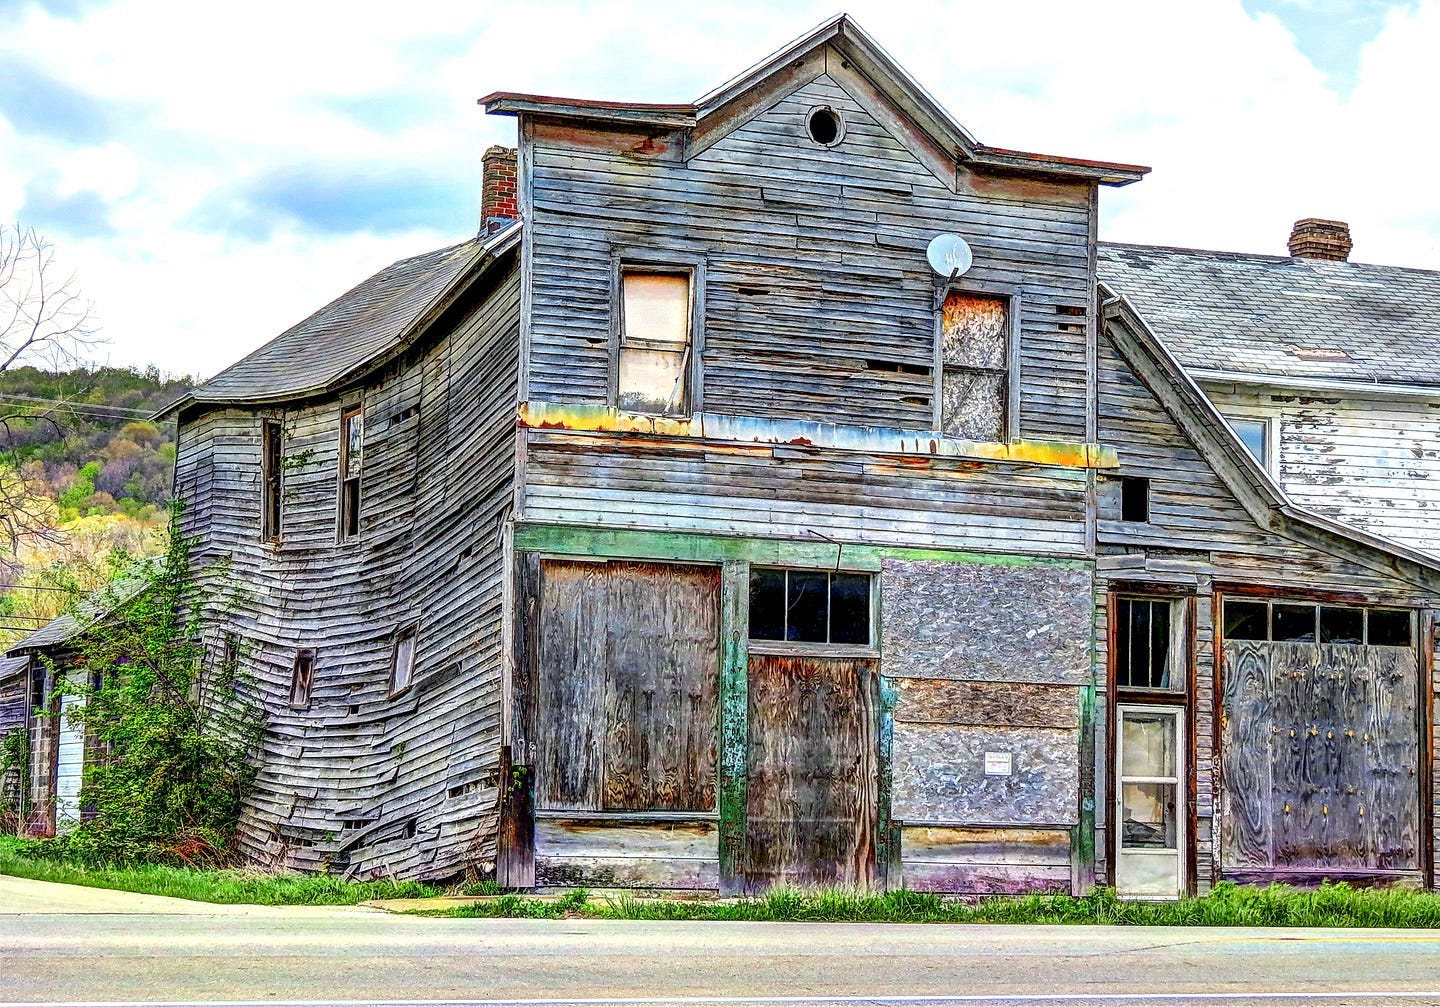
[1150,821]
[1143,657]
[654,342]
[402,667]
[974,339]
[807,606]
[271,468]
[302,675]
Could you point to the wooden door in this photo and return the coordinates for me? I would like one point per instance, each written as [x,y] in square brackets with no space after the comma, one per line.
[811,806]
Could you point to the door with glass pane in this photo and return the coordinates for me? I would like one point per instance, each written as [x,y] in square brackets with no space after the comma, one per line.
[1149,801]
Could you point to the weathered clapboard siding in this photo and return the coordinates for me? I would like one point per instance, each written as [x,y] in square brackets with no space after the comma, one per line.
[1366,460]
[985,861]
[817,299]
[1198,535]
[360,780]
[783,491]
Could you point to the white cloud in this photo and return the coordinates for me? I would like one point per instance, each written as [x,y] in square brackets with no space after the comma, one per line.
[208,105]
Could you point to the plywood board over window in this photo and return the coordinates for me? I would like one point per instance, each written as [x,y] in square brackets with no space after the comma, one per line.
[655,344]
[976,367]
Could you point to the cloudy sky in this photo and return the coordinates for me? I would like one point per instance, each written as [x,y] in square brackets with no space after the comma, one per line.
[214,172]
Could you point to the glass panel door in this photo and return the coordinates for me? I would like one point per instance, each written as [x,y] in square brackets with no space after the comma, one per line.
[1149,801]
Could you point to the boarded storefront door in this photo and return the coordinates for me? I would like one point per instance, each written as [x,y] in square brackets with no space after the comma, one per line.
[625,723]
[1320,747]
[811,805]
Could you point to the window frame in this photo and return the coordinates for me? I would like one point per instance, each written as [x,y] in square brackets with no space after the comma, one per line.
[815,648]
[1271,423]
[1182,609]
[1271,600]
[305,655]
[410,631]
[1014,303]
[272,480]
[650,260]
[349,413]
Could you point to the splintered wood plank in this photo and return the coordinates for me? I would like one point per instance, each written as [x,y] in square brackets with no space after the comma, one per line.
[570,686]
[661,686]
[811,805]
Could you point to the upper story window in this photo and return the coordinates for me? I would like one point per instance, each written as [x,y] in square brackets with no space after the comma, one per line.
[1258,435]
[271,479]
[975,367]
[655,342]
[352,439]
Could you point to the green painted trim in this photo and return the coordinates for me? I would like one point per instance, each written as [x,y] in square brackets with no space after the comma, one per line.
[1082,837]
[585,540]
[734,723]
[887,840]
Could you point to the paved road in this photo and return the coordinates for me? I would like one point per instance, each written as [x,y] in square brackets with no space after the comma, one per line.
[70,945]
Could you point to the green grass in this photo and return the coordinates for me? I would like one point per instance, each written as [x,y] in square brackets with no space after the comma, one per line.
[18,857]
[1228,905]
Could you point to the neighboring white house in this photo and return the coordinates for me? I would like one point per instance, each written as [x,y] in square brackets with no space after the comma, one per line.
[1328,370]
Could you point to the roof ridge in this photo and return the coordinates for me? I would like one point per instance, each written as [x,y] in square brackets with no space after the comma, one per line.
[1233,255]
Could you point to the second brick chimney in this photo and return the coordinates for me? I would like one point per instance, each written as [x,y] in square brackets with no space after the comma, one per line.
[1313,238]
[499,200]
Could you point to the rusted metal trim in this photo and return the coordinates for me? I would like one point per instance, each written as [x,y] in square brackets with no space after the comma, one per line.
[799,433]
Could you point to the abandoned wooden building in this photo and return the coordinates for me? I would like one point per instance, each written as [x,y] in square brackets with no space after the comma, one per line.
[770,493]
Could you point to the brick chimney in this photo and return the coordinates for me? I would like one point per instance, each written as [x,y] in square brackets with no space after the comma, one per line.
[1313,238]
[499,201]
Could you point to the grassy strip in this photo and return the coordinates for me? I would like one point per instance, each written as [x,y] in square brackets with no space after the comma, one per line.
[1228,905]
[21,858]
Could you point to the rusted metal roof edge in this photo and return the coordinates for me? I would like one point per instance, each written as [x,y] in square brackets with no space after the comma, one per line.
[1115,306]
[748,430]
[485,255]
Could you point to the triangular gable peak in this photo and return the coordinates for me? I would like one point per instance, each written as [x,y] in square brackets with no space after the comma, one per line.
[840,49]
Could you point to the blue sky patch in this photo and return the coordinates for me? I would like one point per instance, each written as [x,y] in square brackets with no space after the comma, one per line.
[35,102]
[80,215]
[1330,33]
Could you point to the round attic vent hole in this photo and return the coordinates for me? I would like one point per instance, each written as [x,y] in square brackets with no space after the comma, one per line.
[825,126]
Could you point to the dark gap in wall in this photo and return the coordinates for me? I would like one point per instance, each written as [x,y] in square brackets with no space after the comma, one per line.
[896,367]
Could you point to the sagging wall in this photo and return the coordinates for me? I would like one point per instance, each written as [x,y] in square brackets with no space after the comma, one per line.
[360,781]
[817,299]
[990,670]
[1198,541]
[976,658]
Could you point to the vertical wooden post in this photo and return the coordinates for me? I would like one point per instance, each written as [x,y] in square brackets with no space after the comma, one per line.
[734,727]
[1082,837]
[515,864]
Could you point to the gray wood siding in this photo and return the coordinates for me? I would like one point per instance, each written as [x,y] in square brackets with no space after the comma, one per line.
[780,491]
[1370,462]
[362,781]
[818,302]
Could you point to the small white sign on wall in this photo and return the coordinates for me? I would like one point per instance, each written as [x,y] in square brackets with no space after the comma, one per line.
[998,764]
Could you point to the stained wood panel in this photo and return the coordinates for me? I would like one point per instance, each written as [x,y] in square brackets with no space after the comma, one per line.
[985,861]
[615,852]
[1334,731]
[626,687]
[811,803]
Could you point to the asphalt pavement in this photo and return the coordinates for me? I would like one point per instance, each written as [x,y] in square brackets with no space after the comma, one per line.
[63,944]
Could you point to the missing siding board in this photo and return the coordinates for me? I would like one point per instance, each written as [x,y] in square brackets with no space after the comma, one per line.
[897,367]
[974,351]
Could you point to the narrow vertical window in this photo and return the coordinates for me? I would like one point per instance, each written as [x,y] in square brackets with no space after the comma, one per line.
[654,343]
[1134,498]
[271,479]
[302,676]
[1148,644]
[402,660]
[352,440]
[974,376]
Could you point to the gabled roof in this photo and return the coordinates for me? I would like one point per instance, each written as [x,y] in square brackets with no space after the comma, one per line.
[1309,322]
[360,326]
[90,611]
[872,61]
[1254,487]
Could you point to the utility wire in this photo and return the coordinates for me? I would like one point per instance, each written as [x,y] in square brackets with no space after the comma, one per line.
[76,406]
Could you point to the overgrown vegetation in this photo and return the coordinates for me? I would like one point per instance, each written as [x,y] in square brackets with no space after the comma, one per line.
[20,858]
[171,733]
[1228,905]
[14,778]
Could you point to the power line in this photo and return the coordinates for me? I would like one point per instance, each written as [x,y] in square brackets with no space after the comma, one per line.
[94,407]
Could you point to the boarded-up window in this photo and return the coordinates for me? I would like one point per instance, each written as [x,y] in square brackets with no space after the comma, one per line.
[626,686]
[271,479]
[974,359]
[352,439]
[654,342]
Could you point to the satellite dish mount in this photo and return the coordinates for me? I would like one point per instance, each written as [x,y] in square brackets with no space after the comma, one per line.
[949,256]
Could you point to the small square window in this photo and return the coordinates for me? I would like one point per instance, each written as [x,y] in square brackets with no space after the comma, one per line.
[302,676]
[1134,498]
[1149,649]
[402,660]
[1293,623]
[809,606]
[1342,625]
[1255,435]
[654,342]
[1390,627]
[1247,620]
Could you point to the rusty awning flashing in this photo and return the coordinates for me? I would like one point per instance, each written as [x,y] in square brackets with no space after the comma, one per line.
[802,433]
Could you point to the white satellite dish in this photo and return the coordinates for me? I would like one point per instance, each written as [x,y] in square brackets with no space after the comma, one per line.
[949,255]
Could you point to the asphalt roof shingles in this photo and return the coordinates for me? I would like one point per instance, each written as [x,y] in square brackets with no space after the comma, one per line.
[1281,316]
